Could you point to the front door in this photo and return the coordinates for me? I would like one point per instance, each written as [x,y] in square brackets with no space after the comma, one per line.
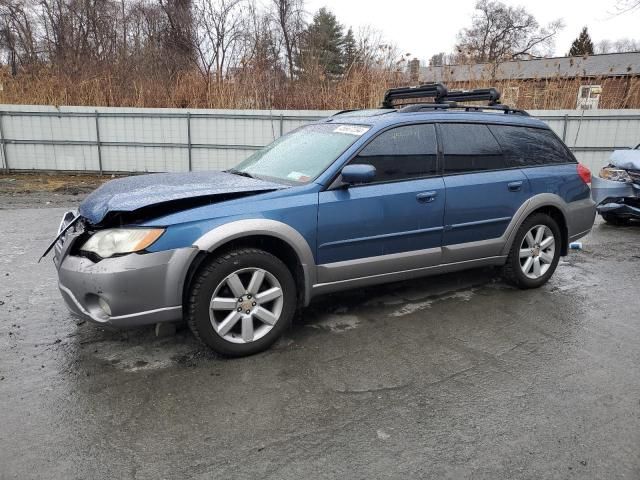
[368,229]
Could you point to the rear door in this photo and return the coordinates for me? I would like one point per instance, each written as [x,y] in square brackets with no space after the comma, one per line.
[483,191]
[400,211]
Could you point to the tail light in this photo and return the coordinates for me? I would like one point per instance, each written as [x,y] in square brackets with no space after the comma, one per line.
[584,173]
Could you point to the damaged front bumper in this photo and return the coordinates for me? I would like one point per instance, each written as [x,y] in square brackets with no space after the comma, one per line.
[616,198]
[125,291]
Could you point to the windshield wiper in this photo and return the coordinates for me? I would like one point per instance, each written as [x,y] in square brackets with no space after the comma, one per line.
[240,172]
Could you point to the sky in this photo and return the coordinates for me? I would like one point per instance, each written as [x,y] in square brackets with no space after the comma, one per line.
[417,27]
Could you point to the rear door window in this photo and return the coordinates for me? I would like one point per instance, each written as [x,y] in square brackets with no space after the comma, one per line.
[470,147]
[402,153]
[526,146]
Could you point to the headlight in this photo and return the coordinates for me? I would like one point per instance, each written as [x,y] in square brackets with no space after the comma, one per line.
[615,174]
[113,241]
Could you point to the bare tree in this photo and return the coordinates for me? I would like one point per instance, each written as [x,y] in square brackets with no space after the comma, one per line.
[618,46]
[626,6]
[219,34]
[442,58]
[374,51]
[17,36]
[500,32]
[288,15]
[263,45]
[178,34]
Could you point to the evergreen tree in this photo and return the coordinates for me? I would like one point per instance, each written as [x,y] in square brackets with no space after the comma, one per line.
[350,49]
[322,45]
[582,45]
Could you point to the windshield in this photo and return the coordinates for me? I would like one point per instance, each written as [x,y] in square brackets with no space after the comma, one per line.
[303,154]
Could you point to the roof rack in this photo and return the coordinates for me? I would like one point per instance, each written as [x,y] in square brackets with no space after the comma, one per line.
[427,90]
[440,94]
[479,94]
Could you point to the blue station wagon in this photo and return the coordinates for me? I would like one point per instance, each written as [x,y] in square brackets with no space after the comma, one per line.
[360,198]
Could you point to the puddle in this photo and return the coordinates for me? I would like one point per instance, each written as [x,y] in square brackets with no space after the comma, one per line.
[409,308]
[338,323]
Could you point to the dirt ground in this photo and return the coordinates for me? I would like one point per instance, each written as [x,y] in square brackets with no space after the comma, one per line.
[25,190]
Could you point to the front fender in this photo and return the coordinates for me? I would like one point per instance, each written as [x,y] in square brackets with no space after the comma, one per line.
[221,235]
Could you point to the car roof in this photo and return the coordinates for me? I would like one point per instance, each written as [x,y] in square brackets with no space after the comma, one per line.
[387,117]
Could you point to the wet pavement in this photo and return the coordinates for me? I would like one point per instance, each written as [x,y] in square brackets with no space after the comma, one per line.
[457,376]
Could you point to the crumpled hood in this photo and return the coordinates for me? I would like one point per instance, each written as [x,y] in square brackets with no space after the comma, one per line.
[139,191]
[626,159]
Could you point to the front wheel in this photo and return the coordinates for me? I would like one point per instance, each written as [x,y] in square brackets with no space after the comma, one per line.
[241,302]
[535,252]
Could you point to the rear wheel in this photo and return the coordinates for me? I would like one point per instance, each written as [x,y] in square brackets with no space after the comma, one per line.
[535,252]
[241,302]
[614,219]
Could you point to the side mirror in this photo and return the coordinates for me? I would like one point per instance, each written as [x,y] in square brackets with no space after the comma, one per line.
[353,174]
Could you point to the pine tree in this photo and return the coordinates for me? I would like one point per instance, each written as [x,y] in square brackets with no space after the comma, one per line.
[350,49]
[322,45]
[582,45]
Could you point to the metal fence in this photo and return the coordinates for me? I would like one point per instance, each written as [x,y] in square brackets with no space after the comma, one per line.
[153,140]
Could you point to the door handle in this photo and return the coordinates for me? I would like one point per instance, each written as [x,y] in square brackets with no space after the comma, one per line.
[515,186]
[426,197]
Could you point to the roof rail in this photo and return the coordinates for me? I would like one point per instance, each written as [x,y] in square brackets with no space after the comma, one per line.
[345,111]
[467,108]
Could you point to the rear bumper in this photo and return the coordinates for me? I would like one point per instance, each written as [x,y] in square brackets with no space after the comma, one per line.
[138,289]
[580,217]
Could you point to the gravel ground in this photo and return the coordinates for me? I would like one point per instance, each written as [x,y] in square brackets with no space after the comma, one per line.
[456,376]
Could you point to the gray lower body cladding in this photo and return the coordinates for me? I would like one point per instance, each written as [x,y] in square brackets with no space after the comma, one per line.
[580,217]
[137,289]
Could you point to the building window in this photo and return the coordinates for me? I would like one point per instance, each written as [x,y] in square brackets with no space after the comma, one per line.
[588,97]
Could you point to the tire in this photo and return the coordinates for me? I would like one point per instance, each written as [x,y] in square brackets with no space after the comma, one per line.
[253,324]
[547,258]
[614,219]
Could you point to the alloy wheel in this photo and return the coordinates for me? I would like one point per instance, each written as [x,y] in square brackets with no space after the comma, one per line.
[537,251]
[246,305]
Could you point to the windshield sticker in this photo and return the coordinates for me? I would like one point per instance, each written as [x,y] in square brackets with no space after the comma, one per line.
[298,177]
[351,129]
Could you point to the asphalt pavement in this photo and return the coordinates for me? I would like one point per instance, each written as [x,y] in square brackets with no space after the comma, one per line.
[450,377]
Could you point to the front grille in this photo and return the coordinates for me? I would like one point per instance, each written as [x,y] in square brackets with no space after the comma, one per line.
[73,232]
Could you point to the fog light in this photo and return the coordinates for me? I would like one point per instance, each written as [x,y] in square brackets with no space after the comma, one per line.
[104,306]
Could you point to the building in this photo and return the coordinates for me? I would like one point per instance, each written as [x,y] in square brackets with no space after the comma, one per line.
[609,80]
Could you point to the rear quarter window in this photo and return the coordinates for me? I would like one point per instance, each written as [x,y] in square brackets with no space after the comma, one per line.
[527,146]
